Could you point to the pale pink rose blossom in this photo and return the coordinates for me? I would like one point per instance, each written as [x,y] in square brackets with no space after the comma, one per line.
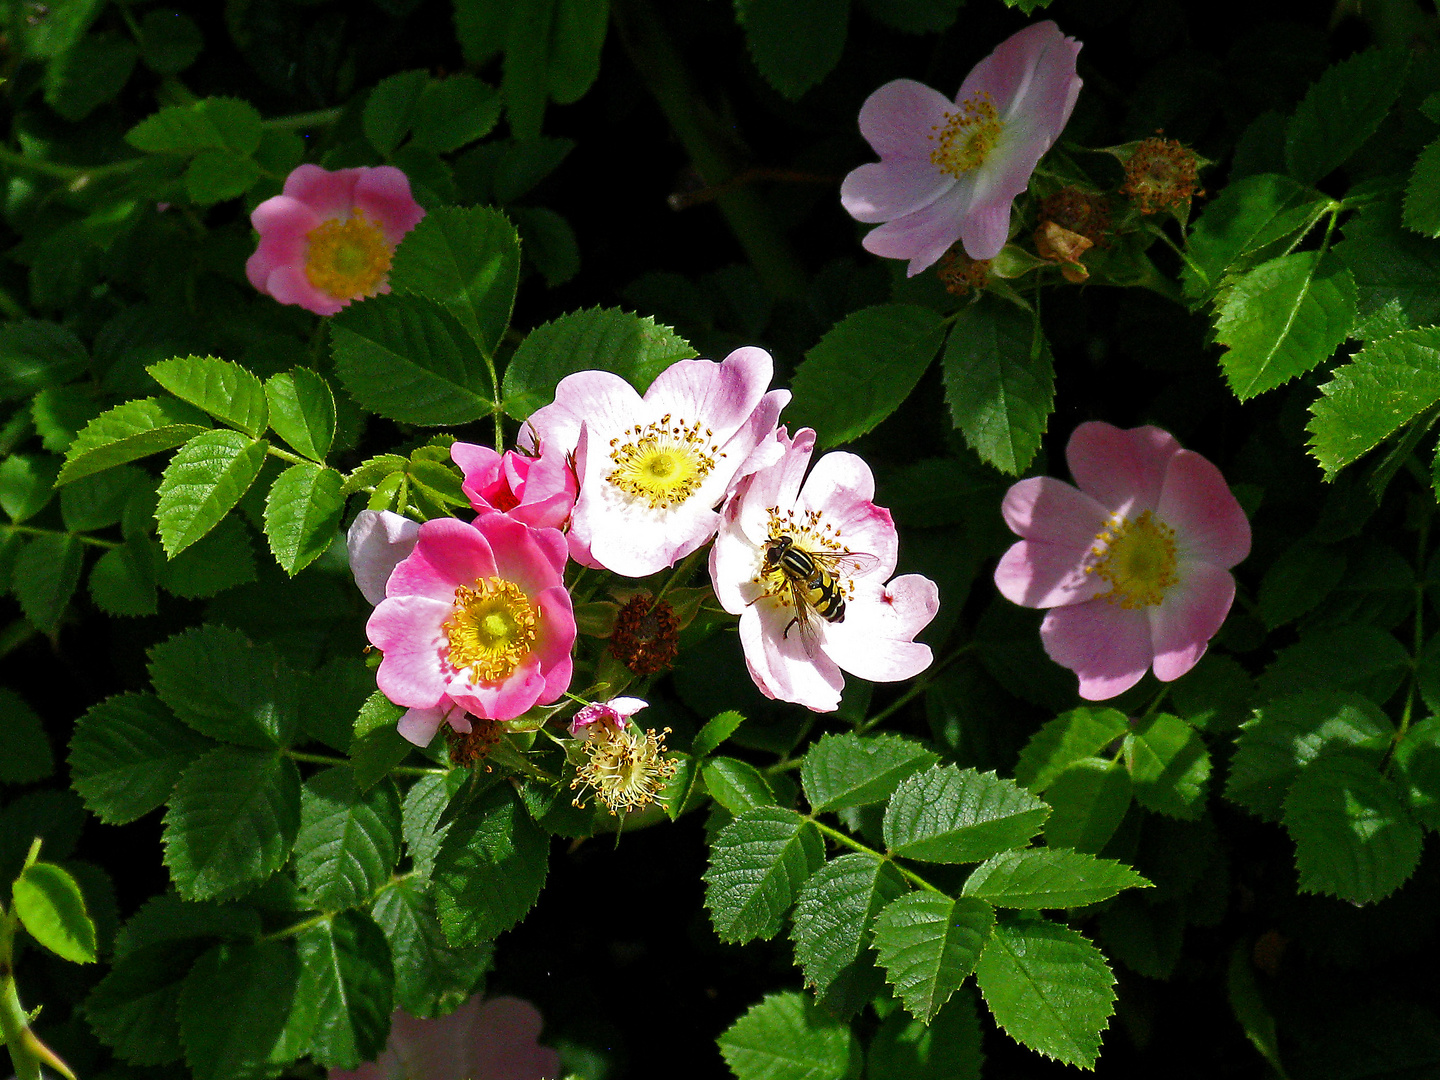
[653,468]
[537,489]
[1134,565]
[329,237]
[832,518]
[493,1039]
[610,714]
[949,170]
[475,620]
[377,541]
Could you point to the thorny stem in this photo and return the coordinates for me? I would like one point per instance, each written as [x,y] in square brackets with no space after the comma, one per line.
[855,845]
[27,1053]
[916,689]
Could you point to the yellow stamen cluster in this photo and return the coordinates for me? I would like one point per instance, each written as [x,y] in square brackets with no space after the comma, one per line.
[490,630]
[1137,557]
[664,462]
[626,771]
[968,135]
[1160,175]
[347,258]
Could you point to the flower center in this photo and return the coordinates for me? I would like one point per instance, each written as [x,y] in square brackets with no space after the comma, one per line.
[490,629]
[624,770]
[1137,558]
[347,259]
[664,462]
[966,138]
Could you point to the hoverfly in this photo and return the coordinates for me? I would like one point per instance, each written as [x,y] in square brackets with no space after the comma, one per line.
[812,584]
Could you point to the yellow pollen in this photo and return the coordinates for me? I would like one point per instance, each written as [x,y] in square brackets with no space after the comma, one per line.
[1137,558]
[347,258]
[966,138]
[490,629]
[664,462]
[624,770]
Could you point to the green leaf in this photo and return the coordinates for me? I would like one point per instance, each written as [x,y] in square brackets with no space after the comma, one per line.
[795,44]
[1247,222]
[377,747]
[999,383]
[577,35]
[928,944]
[127,754]
[847,770]
[1417,771]
[548,241]
[226,391]
[390,109]
[103,499]
[346,980]
[1287,734]
[948,1048]
[1049,878]
[949,815]
[736,785]
[225,686]
[1047,987]
[914,16]
[302,514]
[216,175]
[60,27]
[220,560]
[1169,766]
[606,339]
[1354,657]
[1422,193]
[59,413]
[348,841]
[431,978]
[36,355]
[204,480]
[716,730]
[1299,580]
[1342,110]
[788,1037]
[1353,836]
[1089,799]
[1385,386]
[134,1008]
[757,865]
[232,821]
[1079,733]
[50,906]
[127,432]
[233,1008]
[863,368]
[420,815]
[408,359]
[167,918]
[123,580]
[169,41]
[467,259]
[27,756]
[490,869]
[302,411]
[834,912]
[453,112]
[526,65]
[45,577]
[1283,318]
[1395,271]
[27,483]
[217,123]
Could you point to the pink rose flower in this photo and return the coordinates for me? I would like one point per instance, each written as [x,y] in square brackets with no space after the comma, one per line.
[1134,565]
[538,490]
[475,620]
[611,714]
[481,1040]
[652,469]
[328,239]
[377,541]
[795,651]
[949,170]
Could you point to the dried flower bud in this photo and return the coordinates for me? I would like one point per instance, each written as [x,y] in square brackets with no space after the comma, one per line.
[647,635]
[1059,244]
[1160,175]
[1079,211]
[466,749]
[959,273]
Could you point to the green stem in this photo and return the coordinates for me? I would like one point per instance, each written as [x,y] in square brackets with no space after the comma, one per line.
[76,174]
[682,572]
[398,770]
[855,845]
[296,928]
[14,1022]
[286,455]
[95,541]
[318,118]
[918,688]
[711,145]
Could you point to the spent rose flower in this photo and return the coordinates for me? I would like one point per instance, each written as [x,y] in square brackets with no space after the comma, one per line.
[832,519]
[377,541]
[608,715]
[949,170]
[493,1039]
[1134,565]
[537,489]
[475,620]
[328,237]
[653,468]
[625,768]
